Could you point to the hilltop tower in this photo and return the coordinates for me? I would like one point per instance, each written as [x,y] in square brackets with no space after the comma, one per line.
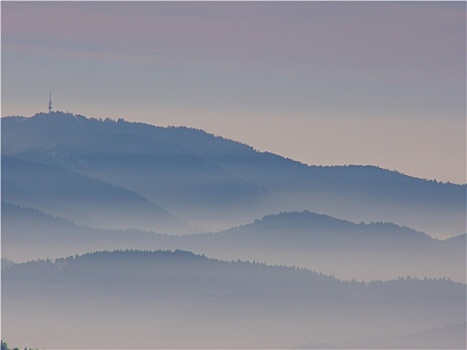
[50,102]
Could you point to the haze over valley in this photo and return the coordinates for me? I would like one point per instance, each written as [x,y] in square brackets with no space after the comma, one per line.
[190,228]
[233,175]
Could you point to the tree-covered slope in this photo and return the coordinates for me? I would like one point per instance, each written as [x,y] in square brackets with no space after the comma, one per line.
[218,183]
[188,300]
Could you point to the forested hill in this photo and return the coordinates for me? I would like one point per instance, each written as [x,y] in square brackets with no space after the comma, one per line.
[155,294]
[216,183]
[311,240]
[188,273]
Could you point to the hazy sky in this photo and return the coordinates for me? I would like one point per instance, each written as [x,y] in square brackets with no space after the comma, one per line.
[320,82]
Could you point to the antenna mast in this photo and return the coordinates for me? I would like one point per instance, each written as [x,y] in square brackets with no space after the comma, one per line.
[50,102]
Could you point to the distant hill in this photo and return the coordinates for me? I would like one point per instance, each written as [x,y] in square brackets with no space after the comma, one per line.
[31,234]
[80,198]
[216,183]
[456,242]
[185,300]
[319,242]
[322,228]
[173,176]
[72,185]
[335,246]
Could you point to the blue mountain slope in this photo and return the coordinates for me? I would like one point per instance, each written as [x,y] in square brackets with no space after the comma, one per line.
[345,249]
[185,183]
[216,182]
[77,197]
[357,193]
[320,242]
[183,293]
[31,234]
[309,225]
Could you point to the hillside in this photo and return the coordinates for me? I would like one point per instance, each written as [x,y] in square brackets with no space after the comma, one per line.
[319,242]
[216,183]
[348,250]
[171,298]
[79,198]
[31,234]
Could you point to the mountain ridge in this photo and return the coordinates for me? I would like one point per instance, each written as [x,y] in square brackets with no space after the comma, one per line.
[320,247]
[215,183]
[135,290]
[194,142]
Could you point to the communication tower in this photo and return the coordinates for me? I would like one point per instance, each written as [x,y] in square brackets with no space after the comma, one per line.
[50,102]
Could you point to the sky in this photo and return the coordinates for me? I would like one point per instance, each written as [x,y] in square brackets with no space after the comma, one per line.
[324,83]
